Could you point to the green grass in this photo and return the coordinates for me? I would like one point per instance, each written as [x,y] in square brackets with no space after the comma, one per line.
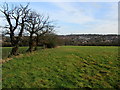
[6,51]
[64,67]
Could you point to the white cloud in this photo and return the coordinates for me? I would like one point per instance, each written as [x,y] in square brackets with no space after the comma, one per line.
[103,27]
[70,14]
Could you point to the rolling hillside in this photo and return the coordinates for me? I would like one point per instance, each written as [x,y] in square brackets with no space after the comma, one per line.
[64,67]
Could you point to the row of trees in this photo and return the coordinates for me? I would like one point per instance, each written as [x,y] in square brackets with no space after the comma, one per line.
[48,40]
[21,21]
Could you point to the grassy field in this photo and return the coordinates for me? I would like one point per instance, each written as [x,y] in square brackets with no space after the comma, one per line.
[64,67]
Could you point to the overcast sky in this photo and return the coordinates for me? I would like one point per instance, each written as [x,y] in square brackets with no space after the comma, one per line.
[79,17]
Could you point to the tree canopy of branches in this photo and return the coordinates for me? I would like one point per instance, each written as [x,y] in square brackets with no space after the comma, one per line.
[37,26]
[20,19]
[16,18]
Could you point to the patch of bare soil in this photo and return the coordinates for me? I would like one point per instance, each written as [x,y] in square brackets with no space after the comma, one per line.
[18,56]
[8,59]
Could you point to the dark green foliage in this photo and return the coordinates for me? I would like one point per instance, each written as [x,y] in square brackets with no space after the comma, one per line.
[50,40]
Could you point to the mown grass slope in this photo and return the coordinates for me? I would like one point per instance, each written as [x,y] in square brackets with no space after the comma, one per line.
[64,67]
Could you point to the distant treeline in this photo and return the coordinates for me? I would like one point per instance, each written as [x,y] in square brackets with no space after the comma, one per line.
[75,40]
[91,39]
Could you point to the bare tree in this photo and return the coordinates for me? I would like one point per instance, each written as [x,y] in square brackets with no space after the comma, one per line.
[37,25]
[16,18]
[31,27]
[44,26]
[42,31]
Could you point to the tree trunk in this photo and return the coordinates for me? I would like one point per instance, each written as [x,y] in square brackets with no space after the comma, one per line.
[15,44]
[37,41]
[30,49]
[14,50]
